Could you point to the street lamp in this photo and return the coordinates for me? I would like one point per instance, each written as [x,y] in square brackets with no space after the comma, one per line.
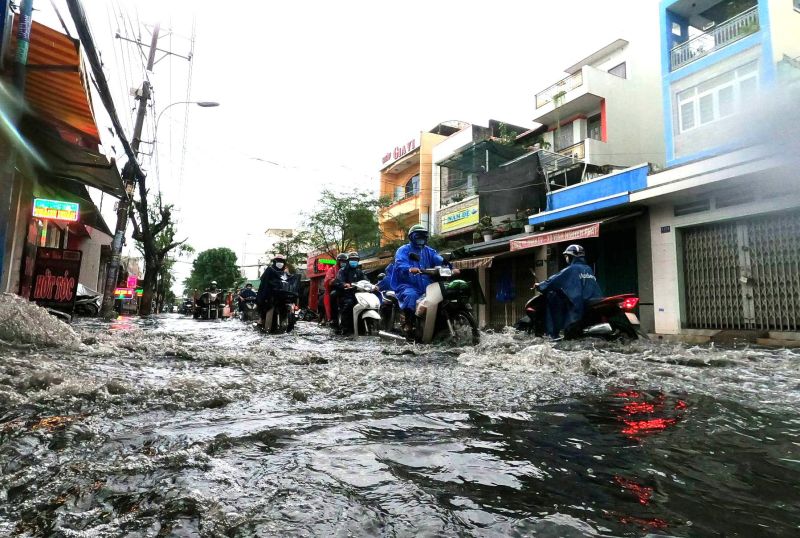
[203,104]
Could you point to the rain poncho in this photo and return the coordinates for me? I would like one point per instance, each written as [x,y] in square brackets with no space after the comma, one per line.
[385,284]
[577,285]
[410,287]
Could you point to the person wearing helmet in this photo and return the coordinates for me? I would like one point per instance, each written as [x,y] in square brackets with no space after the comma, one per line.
[330,300]
[212,287]
[568,291]
[270,283]
[407,281]
[347,276]
[244,294]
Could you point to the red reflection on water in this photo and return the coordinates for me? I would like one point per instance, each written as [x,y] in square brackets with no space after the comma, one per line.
[122,323]
[643,414]
[647,426]
[653,523]
[643,493]
[638,407]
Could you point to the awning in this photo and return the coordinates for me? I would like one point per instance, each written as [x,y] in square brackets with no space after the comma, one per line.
[72,162]
[483,262]
[55,82]
[573,233]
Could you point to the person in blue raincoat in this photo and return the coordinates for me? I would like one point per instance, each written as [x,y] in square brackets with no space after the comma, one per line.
[407,282]
[568,291]
[385,279]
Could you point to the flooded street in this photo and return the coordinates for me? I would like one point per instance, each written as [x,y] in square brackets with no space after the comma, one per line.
[175,427]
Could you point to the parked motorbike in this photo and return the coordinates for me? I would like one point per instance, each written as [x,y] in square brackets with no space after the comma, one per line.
[610,318]
[444,312]
[366,311]
[87,302]
[249,311]
[210,305]
[281,317]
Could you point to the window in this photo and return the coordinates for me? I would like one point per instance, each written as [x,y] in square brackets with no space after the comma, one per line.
[564,136]
[594,128]
[717,98]
[412,186]
[797,5]
[619,70]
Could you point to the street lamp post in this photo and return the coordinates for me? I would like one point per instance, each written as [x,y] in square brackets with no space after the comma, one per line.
[202,104]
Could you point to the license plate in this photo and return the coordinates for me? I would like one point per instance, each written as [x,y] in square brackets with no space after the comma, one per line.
[632,318]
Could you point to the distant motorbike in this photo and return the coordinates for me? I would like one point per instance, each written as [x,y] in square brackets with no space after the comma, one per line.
[249,311]
[281,317]
[610,318]
[444,312]
[187,307]
[87,302]
[366,311]
[210,305]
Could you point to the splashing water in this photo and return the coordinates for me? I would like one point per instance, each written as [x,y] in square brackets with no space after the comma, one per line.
[178,427]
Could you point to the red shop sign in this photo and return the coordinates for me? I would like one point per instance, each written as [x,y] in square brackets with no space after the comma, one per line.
[575,233]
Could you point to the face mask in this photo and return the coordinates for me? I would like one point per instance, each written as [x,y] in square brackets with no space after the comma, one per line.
[420,242]
[279,265]
[353,264]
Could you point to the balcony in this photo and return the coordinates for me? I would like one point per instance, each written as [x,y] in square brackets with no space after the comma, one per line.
[402,207]
[579,93]
[720,36]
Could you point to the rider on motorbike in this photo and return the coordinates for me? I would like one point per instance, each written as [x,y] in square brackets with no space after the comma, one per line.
[568,291]
[347,276]
[330,300]
[270,282]
[213,287]
[244,294]
[407,281]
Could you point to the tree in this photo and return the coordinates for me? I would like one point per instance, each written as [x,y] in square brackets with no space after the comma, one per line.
[214,264]
[154,233]
[164,293]
[294,245]
[344,221]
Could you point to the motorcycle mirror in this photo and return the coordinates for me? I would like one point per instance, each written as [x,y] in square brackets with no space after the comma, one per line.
[414,256]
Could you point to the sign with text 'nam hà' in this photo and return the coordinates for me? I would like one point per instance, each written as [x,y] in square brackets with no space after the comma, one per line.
[460,218]
[55,210]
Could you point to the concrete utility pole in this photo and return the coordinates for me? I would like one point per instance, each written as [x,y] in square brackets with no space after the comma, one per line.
[7,184]
[129,179]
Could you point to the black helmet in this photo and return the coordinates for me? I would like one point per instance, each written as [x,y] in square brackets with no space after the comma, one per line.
[341,257]
[353,255]
[279,258]
[576,251]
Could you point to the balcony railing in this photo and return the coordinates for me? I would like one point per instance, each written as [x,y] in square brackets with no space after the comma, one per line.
[562,86]
[722,35]
[576,151]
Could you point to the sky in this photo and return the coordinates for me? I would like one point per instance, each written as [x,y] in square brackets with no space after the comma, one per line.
[313,93]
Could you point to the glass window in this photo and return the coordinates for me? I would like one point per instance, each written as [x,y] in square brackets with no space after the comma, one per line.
[747,89]
[619,70]
[687,115]
[797,5]
[727,104]
[595,128]
[412,186]
[707,108]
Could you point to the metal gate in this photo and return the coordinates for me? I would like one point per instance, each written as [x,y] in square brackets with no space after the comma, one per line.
[744,275]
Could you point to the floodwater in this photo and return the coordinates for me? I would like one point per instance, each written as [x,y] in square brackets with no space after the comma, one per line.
[175,427]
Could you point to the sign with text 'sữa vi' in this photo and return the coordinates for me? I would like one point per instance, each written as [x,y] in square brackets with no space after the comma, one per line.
[55,278]
[55,210]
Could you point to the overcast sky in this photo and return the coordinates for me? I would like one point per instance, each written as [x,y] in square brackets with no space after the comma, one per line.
[312,93]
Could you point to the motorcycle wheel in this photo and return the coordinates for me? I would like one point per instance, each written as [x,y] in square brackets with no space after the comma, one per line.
[290,321]
[370,327]
[623,330]
[91,310]
[465,328]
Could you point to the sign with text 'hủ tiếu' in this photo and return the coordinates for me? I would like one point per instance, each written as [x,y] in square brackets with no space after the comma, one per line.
[55,210]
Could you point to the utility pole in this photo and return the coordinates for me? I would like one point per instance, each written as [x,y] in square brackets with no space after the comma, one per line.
[129,179]
[7,183]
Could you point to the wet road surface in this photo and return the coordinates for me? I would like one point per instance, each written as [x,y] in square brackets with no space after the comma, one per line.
[175,427]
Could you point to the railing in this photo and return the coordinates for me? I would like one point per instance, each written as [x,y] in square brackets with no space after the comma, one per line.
[722,35]
[576,151]
[562,86]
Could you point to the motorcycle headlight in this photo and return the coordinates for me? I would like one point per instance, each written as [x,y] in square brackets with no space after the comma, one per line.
[445,271]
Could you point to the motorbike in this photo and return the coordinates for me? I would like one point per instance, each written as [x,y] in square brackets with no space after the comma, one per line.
[281,317]
[444,312]
[87,302]
[366,311]
[210,305]
[390,312]
[187,307]
[610,318]
[249,311]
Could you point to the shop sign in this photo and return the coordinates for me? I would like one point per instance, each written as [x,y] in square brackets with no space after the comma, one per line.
[575,233]
[55,210]
[133,281]
[139,292]
[323,264]
[123,293]
[399,151]
[55,278]
[460,218]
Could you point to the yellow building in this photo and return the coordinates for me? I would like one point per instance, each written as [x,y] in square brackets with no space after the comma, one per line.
[406,179]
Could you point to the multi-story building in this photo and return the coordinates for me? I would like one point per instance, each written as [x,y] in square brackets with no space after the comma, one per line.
[406,180]
[725,215]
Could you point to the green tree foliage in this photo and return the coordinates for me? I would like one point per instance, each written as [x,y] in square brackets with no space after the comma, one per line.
[344,221]
[294,246]
[214,264]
